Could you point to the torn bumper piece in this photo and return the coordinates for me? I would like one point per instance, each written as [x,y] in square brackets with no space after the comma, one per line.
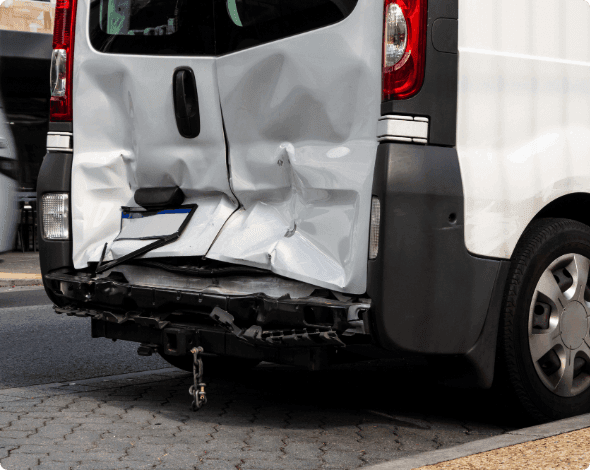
[175,319]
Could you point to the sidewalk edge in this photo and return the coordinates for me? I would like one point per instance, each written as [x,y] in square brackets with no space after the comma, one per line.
[484,445]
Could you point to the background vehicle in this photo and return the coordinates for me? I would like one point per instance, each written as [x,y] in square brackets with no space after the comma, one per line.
[288,181]
[8,212]
[25,57]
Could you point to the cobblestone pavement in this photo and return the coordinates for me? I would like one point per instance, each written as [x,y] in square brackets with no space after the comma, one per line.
[271,418]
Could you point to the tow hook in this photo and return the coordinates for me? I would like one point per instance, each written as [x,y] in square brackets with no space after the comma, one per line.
[197,390]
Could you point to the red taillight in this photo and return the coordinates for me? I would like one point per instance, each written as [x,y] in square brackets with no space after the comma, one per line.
[62,59]
[404,48]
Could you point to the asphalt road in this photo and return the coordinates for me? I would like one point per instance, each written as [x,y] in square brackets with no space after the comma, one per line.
[37,346]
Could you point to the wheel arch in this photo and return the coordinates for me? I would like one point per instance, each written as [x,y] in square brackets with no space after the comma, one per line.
[569,206]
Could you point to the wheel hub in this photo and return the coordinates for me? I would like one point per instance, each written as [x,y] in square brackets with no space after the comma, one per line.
[573,325]
[559,340]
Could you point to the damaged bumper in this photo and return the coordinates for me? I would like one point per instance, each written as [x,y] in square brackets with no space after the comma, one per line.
[255,319]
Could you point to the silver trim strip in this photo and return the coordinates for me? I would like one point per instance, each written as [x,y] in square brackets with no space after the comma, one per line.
[59,141]
[403,129]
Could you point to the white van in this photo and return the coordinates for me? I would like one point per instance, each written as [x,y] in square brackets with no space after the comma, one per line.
[307,181]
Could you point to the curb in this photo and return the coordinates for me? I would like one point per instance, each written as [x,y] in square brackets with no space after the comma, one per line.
[20,279]
[477,447]
[20,282]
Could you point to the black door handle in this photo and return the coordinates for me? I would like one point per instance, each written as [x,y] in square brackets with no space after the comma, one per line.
[186,102]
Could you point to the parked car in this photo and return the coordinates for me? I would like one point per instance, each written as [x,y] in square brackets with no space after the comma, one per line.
[304,182]
[8,171]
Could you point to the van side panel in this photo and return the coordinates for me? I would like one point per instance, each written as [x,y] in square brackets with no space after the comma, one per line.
[523,134]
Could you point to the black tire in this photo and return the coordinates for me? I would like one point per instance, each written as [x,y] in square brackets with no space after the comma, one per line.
[544,241]
[213,366]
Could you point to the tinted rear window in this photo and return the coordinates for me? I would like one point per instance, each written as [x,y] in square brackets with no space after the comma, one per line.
[205,27]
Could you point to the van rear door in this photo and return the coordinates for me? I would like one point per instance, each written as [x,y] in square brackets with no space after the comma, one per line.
[125,129]
[289,99]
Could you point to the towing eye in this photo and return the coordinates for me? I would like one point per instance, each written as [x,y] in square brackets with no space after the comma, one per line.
[197,390]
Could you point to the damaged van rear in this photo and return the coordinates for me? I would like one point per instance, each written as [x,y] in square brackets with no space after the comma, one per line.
[292,181]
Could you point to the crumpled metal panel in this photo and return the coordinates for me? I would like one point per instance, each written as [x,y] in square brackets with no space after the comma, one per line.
[300,116]
[272,286]
[125,137]
[301,120]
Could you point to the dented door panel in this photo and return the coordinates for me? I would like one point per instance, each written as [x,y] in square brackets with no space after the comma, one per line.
[300,116]
[125,138]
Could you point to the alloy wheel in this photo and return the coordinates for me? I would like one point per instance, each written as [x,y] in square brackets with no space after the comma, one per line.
[558,329]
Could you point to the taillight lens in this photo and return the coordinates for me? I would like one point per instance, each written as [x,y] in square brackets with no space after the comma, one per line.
[62,61]
[404,48]
[56,216]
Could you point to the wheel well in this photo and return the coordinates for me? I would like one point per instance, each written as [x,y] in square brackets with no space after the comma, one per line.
[573,206]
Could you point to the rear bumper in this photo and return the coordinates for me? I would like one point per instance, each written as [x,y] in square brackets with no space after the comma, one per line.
[255,319]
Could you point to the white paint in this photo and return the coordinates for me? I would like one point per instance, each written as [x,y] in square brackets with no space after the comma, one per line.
[523,133]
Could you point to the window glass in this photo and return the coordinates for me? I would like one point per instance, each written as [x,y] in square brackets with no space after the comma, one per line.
[139,17]
[152,27]
[205,27]
[245,23]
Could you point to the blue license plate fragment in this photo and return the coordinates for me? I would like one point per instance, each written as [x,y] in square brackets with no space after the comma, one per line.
[141,224]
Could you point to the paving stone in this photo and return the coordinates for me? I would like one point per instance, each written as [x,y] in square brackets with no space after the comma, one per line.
[265,442]
[5,450]
[297,450]
[352,459]
[178,461]
[123,464]
[55,430]
[83,437]
[19,461]
[33,449]
[222,454]
[146,451]
[25,424]
[207,464]
[57,465]
[255,464]
[7,417]
[59,401]
[18,405]
[32,440]
[55,414]
[15,434]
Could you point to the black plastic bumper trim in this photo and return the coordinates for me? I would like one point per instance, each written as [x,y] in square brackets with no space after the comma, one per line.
[430,295]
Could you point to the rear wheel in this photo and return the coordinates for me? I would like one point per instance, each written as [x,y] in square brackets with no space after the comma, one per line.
[544,343]
[213,365]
